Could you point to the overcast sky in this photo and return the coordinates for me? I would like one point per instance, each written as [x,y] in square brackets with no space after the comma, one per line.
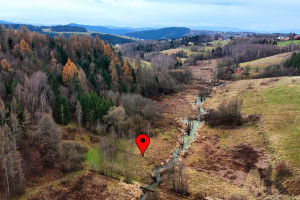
[261,15]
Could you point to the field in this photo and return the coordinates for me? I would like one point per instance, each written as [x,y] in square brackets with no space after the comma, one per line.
[221,156]
[143,63]
[197,49]
[256,66]
[79,186]
[285,43]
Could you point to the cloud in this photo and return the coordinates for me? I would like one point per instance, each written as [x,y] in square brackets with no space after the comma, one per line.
[250,14]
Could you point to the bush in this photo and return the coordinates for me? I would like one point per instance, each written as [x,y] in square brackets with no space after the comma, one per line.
[278,71]
[47,139]
[182,76]
[227,114]
[282,169]
[72,155]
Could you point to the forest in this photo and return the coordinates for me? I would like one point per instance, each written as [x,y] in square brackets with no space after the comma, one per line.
[48,81]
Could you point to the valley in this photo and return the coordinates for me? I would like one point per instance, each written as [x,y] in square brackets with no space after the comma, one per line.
[221,111]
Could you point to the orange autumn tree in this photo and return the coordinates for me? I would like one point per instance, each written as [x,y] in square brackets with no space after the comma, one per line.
[24,47]
[108,51]
[127,73]
[5,65]
[70,72]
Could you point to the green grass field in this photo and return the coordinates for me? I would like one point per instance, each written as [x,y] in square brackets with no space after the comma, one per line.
[143,63]
[93,158]
[285,43]
[220,43]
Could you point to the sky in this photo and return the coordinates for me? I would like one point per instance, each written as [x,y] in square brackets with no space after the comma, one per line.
[258,15]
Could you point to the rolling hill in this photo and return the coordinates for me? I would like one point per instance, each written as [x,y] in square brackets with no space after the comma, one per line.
[110,29]
[164,33]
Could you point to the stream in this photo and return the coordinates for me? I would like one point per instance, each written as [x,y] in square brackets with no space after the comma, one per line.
[186,139]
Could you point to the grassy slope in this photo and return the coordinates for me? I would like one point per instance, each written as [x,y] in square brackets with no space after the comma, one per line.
[139,168]
[143,63]
[278,100]
[265,62]
[277,133]
[285,43]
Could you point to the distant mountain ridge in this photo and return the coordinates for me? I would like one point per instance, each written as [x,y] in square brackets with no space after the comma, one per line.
[110,29]
[163,33]
[4,22]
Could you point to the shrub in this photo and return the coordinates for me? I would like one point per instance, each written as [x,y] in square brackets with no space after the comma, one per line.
[47,139]
[282,169]
[182,76]
[227,114]
[72,155]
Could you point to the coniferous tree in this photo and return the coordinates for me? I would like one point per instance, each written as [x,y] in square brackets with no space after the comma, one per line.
[61,111]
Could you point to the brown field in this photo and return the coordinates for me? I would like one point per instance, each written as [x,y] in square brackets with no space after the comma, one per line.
[204,70]
[87,185]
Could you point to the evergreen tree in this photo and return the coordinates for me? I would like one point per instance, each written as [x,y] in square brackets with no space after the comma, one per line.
[61,111]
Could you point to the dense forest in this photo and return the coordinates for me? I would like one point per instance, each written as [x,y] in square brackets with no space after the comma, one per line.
[39,29]
[47,81]
[164,33]
[112,39]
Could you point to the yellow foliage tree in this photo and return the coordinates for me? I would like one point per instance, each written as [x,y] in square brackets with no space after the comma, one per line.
[70,72]
[5,65]
[24,47]
[108,51]
[127,73]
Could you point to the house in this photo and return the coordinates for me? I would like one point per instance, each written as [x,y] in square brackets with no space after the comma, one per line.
[285,38]
[220,38]
[238,71]
[191,43]
[296,37]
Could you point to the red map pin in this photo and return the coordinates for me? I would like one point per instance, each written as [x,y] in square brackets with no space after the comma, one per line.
[142,141]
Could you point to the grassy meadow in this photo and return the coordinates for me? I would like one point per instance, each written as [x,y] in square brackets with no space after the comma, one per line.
[285,43]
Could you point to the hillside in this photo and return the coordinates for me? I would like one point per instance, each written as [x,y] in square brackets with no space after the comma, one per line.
[257,66]
[72,104]
[68,30]
[112,39]
[220,159]
[164,33]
